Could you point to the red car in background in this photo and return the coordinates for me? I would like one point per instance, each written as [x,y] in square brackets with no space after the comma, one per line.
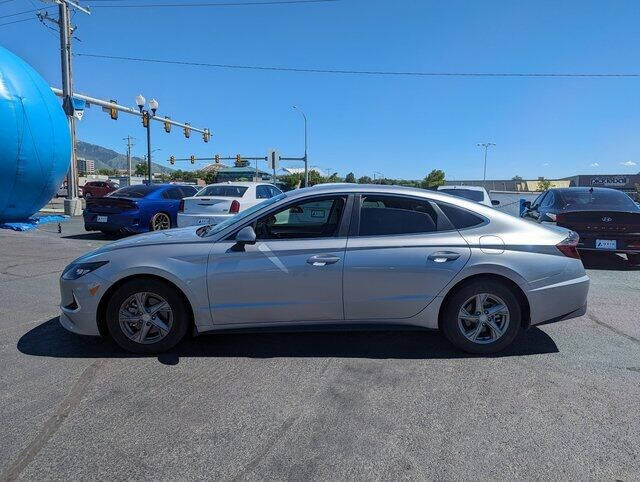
[98,188]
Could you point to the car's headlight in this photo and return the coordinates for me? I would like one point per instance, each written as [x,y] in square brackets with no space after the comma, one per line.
[76,270]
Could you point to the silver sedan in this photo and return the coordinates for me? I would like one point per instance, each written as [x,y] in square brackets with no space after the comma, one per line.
[331,254]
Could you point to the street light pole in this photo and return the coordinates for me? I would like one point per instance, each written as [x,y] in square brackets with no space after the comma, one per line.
[146,121]
[306,160]
[485,146]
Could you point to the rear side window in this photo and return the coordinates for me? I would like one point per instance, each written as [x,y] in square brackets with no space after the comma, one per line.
[386,215]
[262,192]
[172,193]
[223,191]
[459,217]
[274,191]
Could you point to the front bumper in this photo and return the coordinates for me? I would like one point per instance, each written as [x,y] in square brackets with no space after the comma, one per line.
[79,301]
[187,219]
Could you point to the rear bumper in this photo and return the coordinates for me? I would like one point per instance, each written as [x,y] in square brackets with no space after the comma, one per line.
[122,222]
[562,300]
[188,219]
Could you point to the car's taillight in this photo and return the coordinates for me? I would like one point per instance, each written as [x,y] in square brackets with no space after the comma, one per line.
[181,206]
[235,207]
[569,245]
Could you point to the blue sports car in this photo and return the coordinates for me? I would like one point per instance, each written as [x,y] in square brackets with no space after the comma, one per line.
[136,209]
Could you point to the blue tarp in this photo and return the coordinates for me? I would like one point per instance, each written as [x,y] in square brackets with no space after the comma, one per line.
[32,223]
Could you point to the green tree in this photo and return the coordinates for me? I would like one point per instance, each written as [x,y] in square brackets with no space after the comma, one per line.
[209,176]
[365,180]
[292,181]
[142,169]
[543,184]
[434,179]
[351,177]
[315,178]
[516,178]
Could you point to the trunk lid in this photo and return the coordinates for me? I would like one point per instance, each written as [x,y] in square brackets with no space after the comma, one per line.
[110,205]
[208,204]
[600,222]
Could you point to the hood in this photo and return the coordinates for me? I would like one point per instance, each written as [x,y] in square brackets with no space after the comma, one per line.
[170,236]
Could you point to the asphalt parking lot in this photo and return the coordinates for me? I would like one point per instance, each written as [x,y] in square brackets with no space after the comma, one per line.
[561,403]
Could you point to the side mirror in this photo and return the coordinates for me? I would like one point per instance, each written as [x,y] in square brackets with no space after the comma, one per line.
[495,202]
[246,236]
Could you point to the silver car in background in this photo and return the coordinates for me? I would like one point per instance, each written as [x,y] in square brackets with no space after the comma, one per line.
[334,253]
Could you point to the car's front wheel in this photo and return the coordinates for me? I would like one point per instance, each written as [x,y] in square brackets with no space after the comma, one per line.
[147,316]
[483,316]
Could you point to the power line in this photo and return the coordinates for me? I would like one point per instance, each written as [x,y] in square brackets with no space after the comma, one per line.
[16,21]
[26,11]
[218,4]
[363,72]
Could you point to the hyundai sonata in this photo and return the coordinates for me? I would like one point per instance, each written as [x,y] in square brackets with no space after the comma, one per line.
[340,253]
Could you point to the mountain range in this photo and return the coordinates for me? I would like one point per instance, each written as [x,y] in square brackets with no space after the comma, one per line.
[109,159]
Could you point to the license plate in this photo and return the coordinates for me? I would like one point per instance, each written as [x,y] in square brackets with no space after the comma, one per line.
[101,219]
[606,244]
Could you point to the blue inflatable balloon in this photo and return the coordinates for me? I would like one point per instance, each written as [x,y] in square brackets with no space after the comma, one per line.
[35,145]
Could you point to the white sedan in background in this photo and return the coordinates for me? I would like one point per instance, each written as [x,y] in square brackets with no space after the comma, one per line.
[472,193]
[217,202]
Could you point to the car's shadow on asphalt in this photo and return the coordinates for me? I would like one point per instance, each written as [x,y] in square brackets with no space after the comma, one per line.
[606,261]
[51,340]
[94,236]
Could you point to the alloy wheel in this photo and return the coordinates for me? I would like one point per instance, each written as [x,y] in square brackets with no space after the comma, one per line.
[160,221]
[145,317]
[483,318]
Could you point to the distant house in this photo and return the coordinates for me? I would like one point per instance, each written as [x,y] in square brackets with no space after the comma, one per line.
[242,174]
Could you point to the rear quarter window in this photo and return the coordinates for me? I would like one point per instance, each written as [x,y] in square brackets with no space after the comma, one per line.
[459,217]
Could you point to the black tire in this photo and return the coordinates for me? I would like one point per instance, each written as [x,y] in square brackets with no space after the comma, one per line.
[449,321]
[180,324]
[634,258]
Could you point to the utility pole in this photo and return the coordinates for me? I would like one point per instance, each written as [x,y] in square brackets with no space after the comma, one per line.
[485,146]
[72,204]
[305,158]
[129,145]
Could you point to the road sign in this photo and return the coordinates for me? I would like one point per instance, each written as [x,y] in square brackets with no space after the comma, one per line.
[273,158]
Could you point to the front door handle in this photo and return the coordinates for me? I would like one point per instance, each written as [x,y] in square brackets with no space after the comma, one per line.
[443,256]
[322,259]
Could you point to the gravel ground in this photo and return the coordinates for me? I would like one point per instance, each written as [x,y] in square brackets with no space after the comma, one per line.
[562,403]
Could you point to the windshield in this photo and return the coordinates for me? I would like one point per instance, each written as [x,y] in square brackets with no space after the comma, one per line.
[223,191]
[138,191]
[212,229]
[465,193]
[596,199]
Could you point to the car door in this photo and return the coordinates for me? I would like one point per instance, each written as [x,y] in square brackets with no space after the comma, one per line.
[401,252]
[171,201]
[293,272]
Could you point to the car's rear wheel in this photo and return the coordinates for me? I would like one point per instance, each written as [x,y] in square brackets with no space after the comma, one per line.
[483,316]
[160,221]
[634,258]
[147,316]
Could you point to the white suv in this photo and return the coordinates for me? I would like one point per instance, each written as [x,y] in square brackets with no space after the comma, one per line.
[472,193]
[217,202]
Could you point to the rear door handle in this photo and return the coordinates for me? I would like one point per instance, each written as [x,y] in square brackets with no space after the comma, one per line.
[443,256]
[322,259]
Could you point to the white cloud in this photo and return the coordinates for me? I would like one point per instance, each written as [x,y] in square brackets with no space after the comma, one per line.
[594,164]
[546,164]
[628,163]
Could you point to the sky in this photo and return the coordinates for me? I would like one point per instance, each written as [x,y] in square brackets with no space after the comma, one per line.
[399,126]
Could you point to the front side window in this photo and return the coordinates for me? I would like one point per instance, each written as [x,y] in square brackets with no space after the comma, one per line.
[307,219]
[386,215]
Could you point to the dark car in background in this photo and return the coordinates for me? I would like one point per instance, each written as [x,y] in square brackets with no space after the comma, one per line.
[98,188]
[136,209]
[605,219]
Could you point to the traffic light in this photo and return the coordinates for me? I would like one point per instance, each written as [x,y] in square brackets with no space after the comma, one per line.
[238,159]
[167,125]
[206,135]
[113,112]
[187,130]
[172,160]
[217,158]
[193,159]
[145,119]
